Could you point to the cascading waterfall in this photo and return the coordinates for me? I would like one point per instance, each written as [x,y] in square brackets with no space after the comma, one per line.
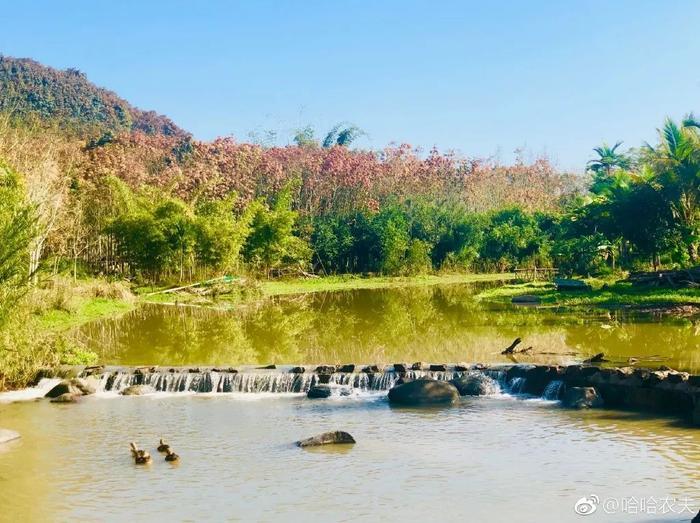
[516,385]
[212,381]
[553,390]
[282,381]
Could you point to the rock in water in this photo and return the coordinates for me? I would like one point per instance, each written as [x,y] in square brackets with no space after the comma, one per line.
[74,386]
[696,519]
[581,398]
[475,385]
[319,391]
[138,390]
[526,298]
[423,391]
[65,398]
[327,438]
[8,435]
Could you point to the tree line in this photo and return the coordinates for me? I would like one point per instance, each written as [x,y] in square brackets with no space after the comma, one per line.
[165,208]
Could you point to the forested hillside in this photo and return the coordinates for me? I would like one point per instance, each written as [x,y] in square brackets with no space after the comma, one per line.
[29,89]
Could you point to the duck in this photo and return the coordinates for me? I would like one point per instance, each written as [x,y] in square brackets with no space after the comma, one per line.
[171,456]
[163,447]
[141,457]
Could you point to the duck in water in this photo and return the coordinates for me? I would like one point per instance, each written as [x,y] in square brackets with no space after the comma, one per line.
[163,447]
[141,457]
[171,456]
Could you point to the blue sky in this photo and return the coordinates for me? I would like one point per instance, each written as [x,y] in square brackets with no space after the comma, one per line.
[479,77]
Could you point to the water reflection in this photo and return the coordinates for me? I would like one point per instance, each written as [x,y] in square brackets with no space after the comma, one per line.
[440,324]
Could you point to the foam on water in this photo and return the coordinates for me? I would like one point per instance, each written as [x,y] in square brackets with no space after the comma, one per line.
[31,393]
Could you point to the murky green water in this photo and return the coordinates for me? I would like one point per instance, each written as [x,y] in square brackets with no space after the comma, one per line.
[434,324]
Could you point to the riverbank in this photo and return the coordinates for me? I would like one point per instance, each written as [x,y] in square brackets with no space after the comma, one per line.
[245,290]
[602,293]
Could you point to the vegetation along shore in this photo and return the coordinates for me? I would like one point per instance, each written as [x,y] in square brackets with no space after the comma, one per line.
[104,204]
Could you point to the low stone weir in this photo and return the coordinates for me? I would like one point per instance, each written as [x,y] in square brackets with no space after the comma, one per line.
[663,391]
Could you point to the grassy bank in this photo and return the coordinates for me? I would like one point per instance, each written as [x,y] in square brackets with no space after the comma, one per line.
[245,290]
[37,333]
[605,293]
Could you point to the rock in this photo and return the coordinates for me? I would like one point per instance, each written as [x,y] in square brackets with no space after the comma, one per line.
[298,370]
[65,398]
[319,391]
[268,367]
[8,435]
[696,415]
[346,368]
[327,438]
[423,391]
[138,390]
[437,368]
[419,365]
[461,367]
[75,386]
[325,369]
[371,369]
[475,385]
[581,398]
[567,284]
[400,367]
[526,298]
[696,519]
[324,378]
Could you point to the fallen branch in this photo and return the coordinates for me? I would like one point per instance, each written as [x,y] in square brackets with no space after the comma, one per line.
[511,348]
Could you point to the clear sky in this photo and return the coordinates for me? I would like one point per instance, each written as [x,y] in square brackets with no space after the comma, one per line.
[479,77]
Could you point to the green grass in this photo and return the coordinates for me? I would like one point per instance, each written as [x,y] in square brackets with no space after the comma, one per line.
[603,293]
[86,310]
[341,283]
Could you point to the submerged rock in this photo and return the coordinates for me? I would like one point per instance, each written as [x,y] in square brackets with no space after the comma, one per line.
[581,398]
[327,438]
[74,386]
[7,435]
[138,390]
[319,391]
[65,398]
[423,391]
[475,385]
[526,298]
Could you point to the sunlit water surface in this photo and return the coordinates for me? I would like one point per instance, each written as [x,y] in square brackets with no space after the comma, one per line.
[497,458]
[486,459]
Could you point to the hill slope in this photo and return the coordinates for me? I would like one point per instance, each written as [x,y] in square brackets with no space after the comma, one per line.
[28,88]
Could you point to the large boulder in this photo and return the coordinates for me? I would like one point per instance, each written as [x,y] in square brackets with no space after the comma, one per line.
[138,390]
[423,391]
[8,435]
[475,385]
[581,398]
[327,438]
[65,398]
[74,386]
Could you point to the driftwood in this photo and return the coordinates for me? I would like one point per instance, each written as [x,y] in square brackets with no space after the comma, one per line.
[679,278]
[511,348]
[598,358]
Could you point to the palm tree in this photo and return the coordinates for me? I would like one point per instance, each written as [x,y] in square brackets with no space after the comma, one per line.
[608,159]
[676,162]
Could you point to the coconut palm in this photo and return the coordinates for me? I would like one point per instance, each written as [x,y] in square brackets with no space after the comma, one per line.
[676,162]
[608,159]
